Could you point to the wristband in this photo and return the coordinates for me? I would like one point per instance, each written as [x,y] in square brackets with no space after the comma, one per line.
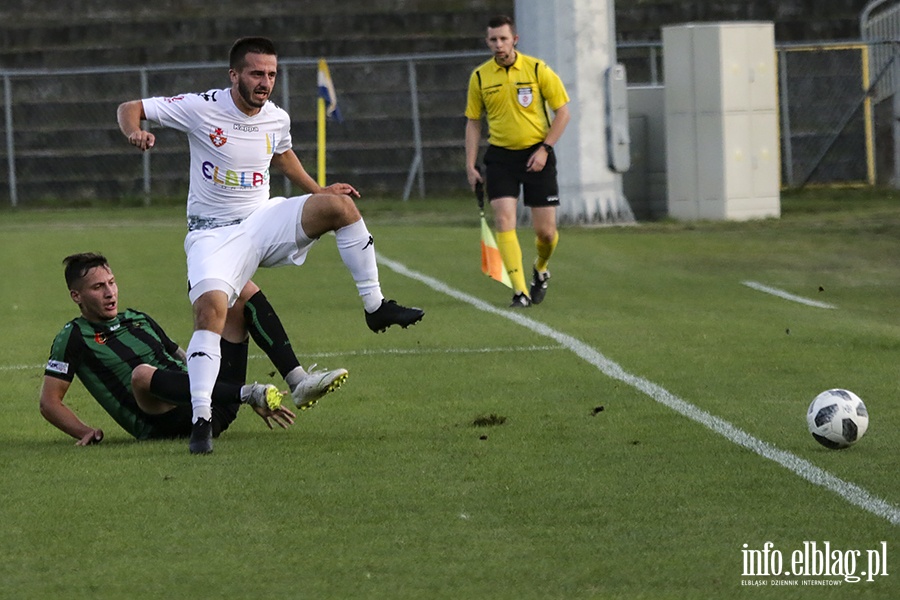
[547,147]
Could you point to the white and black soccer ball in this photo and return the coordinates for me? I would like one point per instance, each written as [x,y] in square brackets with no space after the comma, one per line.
[837,418]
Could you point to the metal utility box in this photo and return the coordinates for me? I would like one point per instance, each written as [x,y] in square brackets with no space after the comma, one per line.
[722,153]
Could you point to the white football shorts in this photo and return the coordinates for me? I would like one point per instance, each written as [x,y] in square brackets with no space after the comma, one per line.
[225,258]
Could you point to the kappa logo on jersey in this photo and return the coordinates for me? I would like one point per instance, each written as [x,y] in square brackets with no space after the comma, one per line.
[218,137]
[525,96]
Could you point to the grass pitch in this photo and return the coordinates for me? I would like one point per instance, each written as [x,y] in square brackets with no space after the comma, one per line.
[478,454]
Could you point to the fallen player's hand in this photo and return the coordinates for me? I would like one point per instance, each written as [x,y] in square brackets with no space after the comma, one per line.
[94,436]
[282,416]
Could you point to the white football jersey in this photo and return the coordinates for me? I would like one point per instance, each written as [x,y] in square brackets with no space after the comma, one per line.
[230,152]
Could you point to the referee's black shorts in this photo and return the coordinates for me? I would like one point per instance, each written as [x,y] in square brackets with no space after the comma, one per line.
[506,173]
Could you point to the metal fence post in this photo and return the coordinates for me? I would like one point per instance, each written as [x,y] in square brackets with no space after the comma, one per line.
[787,149]
[416,166]
[868,113]
[286,105]
[145,93]
[10,142]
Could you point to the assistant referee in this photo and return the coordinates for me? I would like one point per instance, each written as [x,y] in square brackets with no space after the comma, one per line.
[516,93]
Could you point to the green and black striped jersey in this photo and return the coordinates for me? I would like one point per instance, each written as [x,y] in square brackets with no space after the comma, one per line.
[103,355]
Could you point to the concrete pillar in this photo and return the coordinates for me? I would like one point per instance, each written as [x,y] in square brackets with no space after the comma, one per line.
[576,38]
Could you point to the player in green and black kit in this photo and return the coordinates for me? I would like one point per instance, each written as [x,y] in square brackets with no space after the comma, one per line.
[134,370]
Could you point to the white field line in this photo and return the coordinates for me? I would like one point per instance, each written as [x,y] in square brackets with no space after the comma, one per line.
[851,492]
[416,352]
[787,296]
[420,351]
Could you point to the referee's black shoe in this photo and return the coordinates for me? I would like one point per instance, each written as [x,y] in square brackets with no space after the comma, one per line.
[520,300]
[539,282]
[391,313]
[201,437]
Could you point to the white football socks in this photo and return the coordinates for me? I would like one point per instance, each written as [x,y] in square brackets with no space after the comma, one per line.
[357,249]
[204,357]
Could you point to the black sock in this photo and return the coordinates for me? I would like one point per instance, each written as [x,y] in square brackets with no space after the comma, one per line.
[267,331]
[175,387]
[233,368]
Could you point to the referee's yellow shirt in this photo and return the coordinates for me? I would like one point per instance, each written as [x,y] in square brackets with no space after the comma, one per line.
[514,100]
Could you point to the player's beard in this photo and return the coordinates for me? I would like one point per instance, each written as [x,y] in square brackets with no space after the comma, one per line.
[247,94]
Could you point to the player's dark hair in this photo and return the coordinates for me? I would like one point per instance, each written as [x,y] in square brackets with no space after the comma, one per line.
[500,21]
[248,45]
[78,265]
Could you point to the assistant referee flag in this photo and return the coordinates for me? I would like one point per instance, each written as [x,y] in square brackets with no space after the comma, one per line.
[327,93]
[491,261]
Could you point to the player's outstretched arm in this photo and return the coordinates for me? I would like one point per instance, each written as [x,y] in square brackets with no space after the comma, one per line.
[290,165]
[61,417]
[129,116]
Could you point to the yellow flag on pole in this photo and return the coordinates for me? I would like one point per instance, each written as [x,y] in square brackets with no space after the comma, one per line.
[491,261]
[326,91]
[327,108]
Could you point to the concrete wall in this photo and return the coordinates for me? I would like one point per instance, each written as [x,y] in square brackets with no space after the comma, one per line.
[79,33]
[122,32]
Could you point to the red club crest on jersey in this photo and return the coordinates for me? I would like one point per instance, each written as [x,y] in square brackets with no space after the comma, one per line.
[524,96]
[100,338]
[218,137]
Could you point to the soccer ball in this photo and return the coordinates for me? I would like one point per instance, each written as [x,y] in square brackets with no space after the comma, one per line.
[837,418]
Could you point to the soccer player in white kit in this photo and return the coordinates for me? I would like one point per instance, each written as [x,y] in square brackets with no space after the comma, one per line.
[235,134]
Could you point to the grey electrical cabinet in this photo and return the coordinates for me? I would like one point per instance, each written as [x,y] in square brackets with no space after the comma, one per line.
[722,153]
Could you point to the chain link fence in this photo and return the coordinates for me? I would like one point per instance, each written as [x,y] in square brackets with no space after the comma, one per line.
[832,132]
[826,115]
[403,127]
